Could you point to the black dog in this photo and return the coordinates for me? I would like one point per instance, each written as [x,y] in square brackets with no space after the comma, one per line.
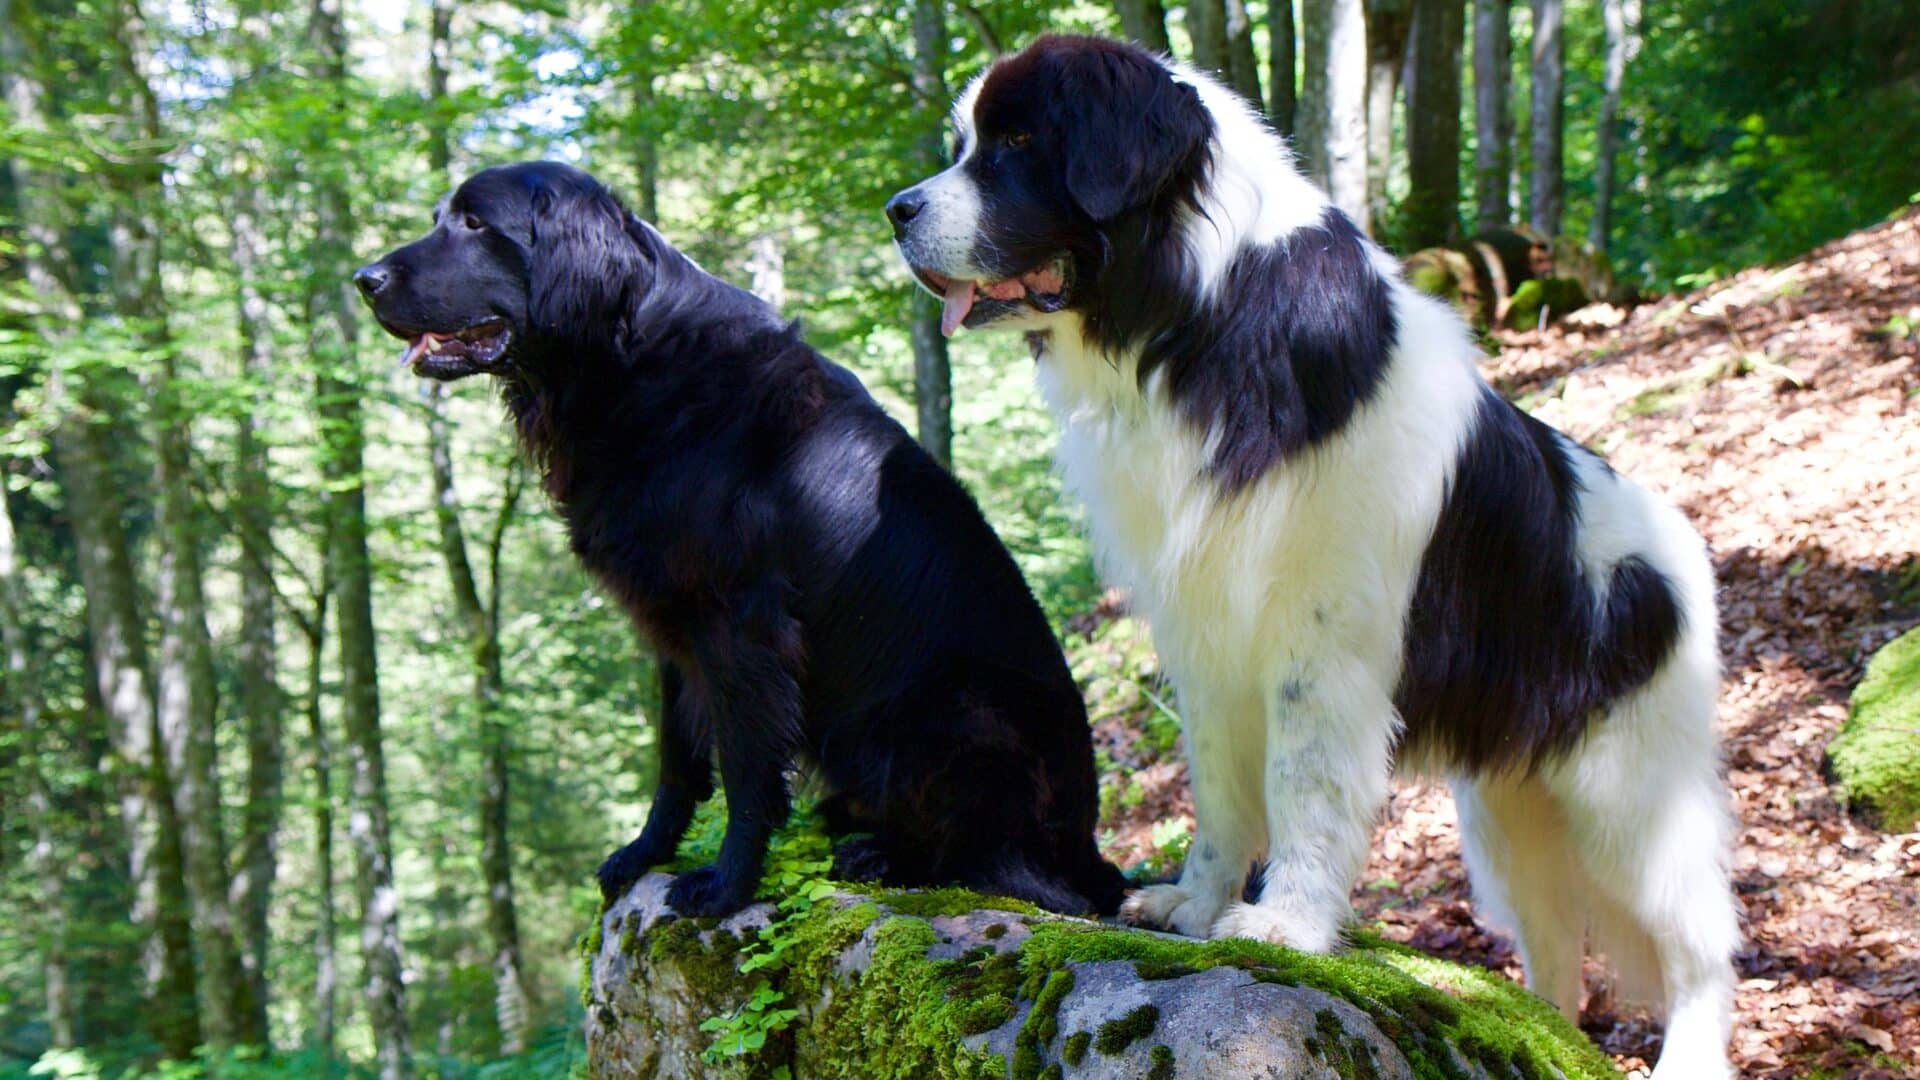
[815,586]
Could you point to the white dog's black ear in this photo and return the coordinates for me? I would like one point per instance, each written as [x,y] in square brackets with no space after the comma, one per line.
[586,269]
[1141,132]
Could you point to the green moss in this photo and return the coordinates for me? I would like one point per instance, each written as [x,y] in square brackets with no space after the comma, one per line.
[1052,1072]
[1026,1063]
[1348,1055]
[906,1015]
[589,948]
[1552,296]
[1160,1062]
[1118,1034]
[1876,755]
[995,932]
[1155,970]
[1043,1022]
[1420,1003]
[629,941]
[934,903]
[1075,1051]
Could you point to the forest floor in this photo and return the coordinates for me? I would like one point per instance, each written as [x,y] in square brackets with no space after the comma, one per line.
[1780,409]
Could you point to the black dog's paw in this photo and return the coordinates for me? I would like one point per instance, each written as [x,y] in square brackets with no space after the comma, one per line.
[859,858]
[624,867]
[704,892]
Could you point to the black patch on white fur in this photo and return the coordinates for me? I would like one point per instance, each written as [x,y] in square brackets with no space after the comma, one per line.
[1293,339]
[1508,656]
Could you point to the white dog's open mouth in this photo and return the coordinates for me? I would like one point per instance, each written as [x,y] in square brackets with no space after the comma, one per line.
[1043,289]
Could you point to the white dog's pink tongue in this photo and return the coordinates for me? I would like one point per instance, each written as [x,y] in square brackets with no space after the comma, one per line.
[959,302]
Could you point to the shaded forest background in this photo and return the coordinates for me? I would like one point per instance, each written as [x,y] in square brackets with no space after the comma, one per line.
[310,730]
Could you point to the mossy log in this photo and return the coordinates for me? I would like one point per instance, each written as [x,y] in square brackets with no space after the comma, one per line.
[951,984]
[1876,755]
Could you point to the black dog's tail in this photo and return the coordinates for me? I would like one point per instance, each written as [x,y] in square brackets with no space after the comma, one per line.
[1092,887]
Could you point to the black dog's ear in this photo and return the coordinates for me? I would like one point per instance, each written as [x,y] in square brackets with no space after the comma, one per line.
[1144,129]
[587,271]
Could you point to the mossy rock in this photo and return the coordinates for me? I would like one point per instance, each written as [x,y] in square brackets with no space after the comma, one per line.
[1449,275]
[904,985]
[1876,756]
[1544,297]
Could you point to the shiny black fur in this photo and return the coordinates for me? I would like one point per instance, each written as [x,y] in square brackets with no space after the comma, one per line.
[1508,657]
[816,587]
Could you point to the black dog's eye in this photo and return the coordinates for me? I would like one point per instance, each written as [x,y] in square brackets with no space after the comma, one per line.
[472,221]
[1014,140]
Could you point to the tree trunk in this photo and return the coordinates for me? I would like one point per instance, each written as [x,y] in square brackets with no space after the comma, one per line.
[646,153]
[932,371]
[21,688]
[1243,70]
[325,961]
[1145,21]
[482,623]
[1333,92]
[20,696]
[511,1012]
[261,701]
[119,660]
[1622,18]
[1282,85]
[184,684]
[87,428]
[1546,194]
[1432,210]
[333,310]
[1387,23]
[1207,32]
[1492,116]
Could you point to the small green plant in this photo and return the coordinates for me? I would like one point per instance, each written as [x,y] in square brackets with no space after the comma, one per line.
[797,865]
[746,1029]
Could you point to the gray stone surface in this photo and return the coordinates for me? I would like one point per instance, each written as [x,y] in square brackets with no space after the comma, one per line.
[654,980]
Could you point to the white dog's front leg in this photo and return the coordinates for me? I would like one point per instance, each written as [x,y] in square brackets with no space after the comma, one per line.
[1329,751]
[1223,735]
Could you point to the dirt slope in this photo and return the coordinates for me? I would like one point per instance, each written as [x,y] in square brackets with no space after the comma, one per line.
[1781,410]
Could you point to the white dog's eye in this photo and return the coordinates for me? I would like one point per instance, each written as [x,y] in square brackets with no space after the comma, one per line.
[1014,140]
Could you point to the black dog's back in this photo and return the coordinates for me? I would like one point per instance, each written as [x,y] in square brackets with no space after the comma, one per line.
[815,585]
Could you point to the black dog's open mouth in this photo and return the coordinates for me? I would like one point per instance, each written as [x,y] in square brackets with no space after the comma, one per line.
[973,303]
[437,355]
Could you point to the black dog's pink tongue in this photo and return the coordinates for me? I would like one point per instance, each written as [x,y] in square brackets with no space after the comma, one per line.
[959,302]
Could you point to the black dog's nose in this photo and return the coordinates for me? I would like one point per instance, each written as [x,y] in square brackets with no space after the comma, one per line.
[904,207]
[371,279]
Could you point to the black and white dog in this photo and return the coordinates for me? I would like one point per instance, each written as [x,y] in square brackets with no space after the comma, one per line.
[1354,555]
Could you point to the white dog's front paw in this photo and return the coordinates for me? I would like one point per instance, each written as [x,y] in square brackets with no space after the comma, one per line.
[1170,907]
[1273,927]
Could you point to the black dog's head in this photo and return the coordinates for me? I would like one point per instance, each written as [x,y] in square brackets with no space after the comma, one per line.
[521,258]
[1063,153]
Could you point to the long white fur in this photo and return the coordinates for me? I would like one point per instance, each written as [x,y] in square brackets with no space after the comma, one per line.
[1279,614]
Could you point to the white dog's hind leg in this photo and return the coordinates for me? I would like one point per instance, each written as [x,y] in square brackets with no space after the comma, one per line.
[1223,761]
[1527,880]
[1648,815]
[1329,747]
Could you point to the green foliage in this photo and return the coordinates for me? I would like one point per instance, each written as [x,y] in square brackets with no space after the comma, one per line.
[1876,755]
[1754,129]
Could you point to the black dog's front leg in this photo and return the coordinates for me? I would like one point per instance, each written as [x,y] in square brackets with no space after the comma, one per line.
[756,711]
[686,780]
